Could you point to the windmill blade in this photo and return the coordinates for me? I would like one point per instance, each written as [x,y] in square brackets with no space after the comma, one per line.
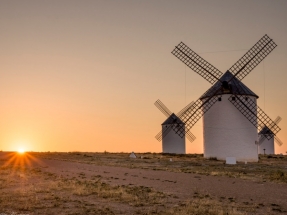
[277,120]
[159,136]
[196,63]
[266,120]
[274,124]
[253,57]
[249,109]
[278,141]
[162,108]
[261,139]
[178,128]
[190,136]
[162,134]
[181,132]
[179,114]
[193,114]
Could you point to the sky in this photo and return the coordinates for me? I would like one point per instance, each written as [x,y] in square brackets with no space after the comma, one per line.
[84,75]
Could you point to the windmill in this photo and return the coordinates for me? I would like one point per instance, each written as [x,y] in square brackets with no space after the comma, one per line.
[230,126]
[171,141]
[265,145]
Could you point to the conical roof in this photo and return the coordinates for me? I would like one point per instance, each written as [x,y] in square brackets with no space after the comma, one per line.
[266,130]
[172,119]
[236,87]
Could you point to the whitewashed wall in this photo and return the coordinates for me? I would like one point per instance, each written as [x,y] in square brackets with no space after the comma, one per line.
[172,142]
[228,133]
[268,145]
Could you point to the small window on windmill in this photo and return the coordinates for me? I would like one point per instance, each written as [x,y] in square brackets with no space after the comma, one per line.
[246,98]
[233,98]
[219,99]
[225,87]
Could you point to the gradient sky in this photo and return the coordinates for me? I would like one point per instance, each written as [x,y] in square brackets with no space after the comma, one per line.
[84,75]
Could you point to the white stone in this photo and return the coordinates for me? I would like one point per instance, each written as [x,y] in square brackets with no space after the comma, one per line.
[228,133]
[132,155]
[230,160]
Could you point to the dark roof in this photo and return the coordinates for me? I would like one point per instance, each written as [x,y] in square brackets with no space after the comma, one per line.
[172,119]
[237,87]
[266,130]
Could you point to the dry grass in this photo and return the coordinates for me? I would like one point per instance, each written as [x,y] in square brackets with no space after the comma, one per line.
[35,191]
[279,175]
[203,207]
[134,196]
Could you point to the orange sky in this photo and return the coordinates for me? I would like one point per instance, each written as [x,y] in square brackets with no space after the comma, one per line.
[83,75]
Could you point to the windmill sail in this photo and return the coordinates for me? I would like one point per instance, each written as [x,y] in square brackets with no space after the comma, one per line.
[278,141]
[254,114]
[253,57]
[162,108]
[196,63]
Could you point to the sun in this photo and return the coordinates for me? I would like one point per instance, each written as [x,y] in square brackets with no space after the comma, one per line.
[21,151]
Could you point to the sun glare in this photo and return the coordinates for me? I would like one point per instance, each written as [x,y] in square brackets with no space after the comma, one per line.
[21,151]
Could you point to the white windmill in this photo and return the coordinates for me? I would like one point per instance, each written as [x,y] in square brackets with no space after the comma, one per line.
[266,145]
[171,141]
[231,126]
[227,132]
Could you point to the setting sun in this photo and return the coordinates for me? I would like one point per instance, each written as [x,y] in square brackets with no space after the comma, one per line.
[21,151]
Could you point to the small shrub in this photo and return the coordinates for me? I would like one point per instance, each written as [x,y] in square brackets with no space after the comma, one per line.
[279,175]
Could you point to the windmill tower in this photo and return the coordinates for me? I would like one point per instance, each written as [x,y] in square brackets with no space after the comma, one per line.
[226,132]
[265,145]
[229,107]
[171,141]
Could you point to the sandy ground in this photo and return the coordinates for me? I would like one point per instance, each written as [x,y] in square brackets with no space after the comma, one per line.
[182,185]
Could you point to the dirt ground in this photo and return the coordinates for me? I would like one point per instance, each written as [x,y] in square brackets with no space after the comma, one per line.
[113,183]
